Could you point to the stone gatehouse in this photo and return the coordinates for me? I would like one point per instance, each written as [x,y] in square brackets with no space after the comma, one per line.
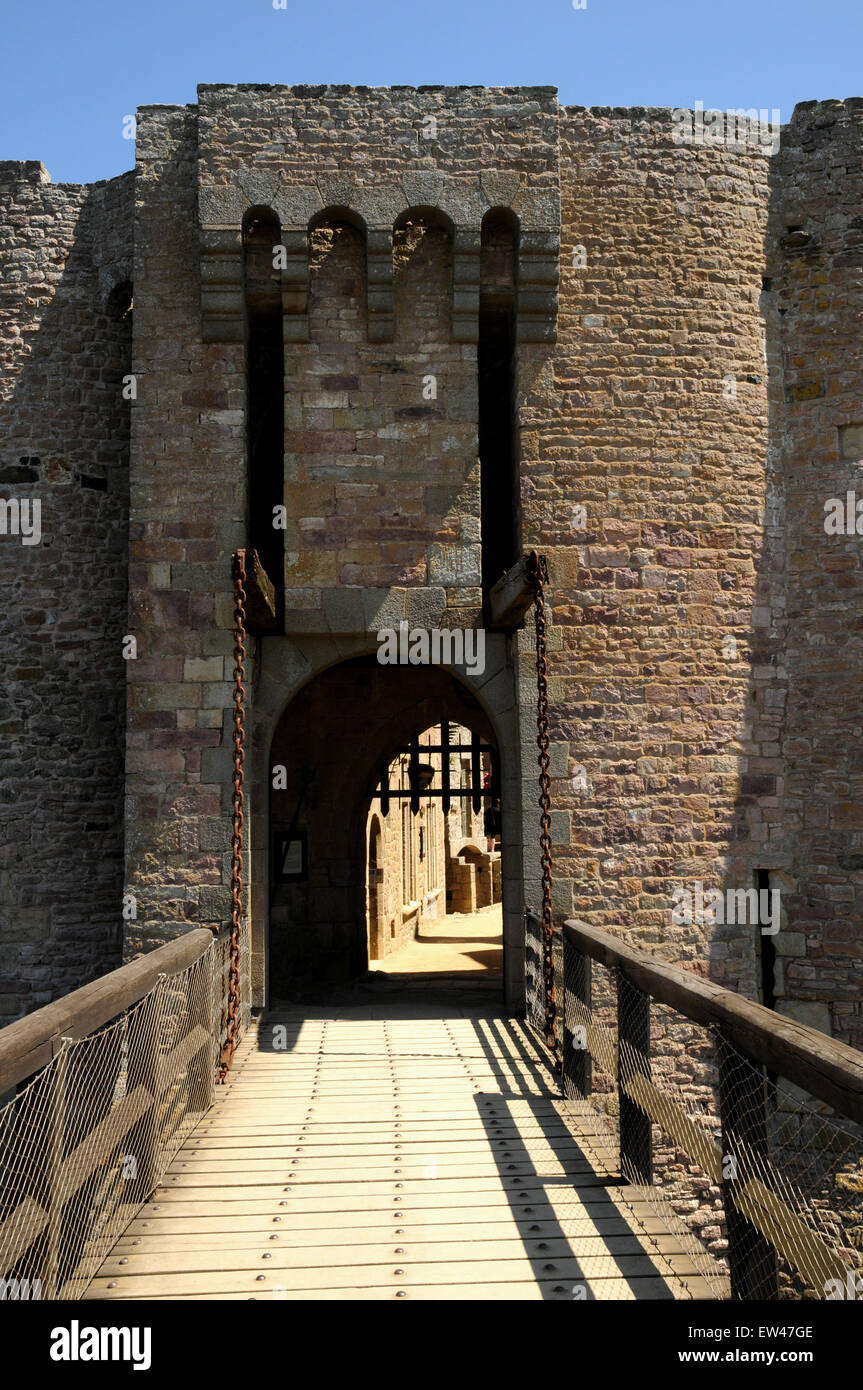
[392,339]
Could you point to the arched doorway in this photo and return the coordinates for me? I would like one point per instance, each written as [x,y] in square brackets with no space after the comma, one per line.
[435,919]
[327,755]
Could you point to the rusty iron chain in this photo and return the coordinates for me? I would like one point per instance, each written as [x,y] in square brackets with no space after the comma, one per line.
[238,814]
[537,571]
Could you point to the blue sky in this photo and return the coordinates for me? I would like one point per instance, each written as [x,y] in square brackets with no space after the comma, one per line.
[73,70]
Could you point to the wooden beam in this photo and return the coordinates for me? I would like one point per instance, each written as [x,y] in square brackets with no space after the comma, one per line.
[28,1220]
[677,1124]
[100,1143]
[509,599]
[453,748]
[24,1224]
[96,1147]
[395,795]
[29,1044]
[576,1076]
[782,1228]
[829,1070]
[633,1059]
[261,607]
[743,1110]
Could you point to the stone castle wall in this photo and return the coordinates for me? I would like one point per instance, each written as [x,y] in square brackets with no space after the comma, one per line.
[663,777]
[188,503]
[815,260]
[366,543]
[65,347]
[382,482]
[700,405]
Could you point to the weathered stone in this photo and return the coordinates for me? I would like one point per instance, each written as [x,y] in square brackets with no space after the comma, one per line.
[704,654]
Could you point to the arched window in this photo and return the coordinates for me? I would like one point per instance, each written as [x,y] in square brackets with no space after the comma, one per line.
[119,303]
[337,277]
[422,272]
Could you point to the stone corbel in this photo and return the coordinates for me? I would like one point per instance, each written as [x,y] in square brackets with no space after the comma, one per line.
[222,306]
[295,287]
[381,295]
[465,285]
[538,278]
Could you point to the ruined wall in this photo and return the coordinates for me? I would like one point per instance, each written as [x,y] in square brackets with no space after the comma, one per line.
[65,346]
[816,265]
[661,773]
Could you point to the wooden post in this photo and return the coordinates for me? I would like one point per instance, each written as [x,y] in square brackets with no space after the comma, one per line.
[444,766]
[202,1073]
[633,1056]
[56,1137]
[142,1142]
[32,1042]
[743,1111]
[577,1078]
[509,599]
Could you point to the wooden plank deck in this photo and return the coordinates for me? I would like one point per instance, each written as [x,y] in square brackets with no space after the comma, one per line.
[395,1151]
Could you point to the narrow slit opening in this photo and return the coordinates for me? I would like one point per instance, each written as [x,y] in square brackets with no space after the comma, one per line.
[265,393]
[496,392]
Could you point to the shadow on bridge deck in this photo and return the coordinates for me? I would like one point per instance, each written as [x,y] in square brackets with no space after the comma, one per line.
[394,1150]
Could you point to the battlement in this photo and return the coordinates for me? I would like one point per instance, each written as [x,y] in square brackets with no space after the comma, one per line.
[18,170]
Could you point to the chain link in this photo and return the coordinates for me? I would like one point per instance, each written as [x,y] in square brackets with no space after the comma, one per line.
[238,813]
[537,571]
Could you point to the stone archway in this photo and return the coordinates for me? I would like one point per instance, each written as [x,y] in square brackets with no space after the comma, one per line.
[330,716]
[332,741]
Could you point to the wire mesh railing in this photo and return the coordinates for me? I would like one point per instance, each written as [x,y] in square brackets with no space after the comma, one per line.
[721,1113]
[88,1134]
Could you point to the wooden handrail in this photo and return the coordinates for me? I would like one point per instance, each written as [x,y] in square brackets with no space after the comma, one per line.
[830,1070]
[31,1042]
